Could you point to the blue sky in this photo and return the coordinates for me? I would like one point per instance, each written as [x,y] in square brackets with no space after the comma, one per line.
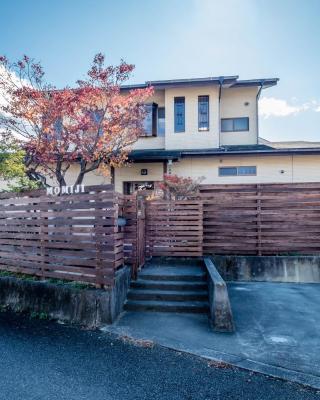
[180,39]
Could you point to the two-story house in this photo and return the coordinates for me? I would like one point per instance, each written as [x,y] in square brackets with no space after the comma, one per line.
[209,127]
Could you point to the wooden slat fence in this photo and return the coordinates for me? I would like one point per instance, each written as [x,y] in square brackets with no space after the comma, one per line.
[132,208]
[76,236]
[174,228]
[263,219]
[72,237]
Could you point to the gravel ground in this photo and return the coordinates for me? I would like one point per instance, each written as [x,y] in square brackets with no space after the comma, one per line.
[45,360]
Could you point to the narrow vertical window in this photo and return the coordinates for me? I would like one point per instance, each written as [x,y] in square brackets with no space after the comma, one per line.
[179,114]
[203,113]
[150,120]
[58,128]
[97,117]
[161,121]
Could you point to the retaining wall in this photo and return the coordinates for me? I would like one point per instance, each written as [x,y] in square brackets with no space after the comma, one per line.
[90,307]
[299,269]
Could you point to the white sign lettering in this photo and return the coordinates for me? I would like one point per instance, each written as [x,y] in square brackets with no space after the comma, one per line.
[56,190]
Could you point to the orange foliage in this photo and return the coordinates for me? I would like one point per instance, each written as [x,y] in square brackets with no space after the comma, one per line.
[92,124]
[176,187]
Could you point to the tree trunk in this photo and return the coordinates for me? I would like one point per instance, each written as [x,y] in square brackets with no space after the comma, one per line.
[59,175]
[80,178]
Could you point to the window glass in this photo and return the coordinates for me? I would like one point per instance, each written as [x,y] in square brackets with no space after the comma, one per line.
[58,127]
[226,125]
[96,117]
[234,124]
[237,171]
[161,121]
[147,122]
[179,114]
[203,113]
[247,170]
[241,124]
[228,171]
[150,120]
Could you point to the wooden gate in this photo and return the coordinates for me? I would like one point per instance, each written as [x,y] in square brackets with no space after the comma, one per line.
[174,228]
[132,209]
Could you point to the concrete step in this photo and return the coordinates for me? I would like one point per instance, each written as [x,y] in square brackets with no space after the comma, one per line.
[167,306]
[169,285]
[169,273]
[168,295]
[148,275]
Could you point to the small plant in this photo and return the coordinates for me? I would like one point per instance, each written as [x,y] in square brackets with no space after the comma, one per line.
[5,273]
[80,285]
[39,315]
[4,307]
[179,188]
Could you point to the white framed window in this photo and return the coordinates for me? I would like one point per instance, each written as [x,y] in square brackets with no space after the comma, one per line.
[203,113]
[238,171]
[235,124]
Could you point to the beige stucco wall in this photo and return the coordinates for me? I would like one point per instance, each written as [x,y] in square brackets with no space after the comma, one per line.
[269,169]
[298,168]
[233,106]
[192,138]
[91,178]
[132,172]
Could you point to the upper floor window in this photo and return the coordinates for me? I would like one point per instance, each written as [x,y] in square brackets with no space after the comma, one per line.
[96,118]
[179,114]
[234,124]
[58,128]
[150,120]
[203,113]
[161,121]
[238,171]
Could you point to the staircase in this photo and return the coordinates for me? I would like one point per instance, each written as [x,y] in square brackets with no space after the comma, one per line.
[170,286]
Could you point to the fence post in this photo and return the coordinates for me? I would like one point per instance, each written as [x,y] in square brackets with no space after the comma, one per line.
[201,223]
[42,242]
[259,220]
[98,255]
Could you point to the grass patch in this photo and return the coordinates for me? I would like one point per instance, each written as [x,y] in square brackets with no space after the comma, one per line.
[39,315]
[61,282]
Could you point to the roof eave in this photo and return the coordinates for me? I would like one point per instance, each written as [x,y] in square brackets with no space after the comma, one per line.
[271,152]
[226,81]
[265,83]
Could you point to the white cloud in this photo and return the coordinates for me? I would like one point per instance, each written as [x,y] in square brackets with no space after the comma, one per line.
[6,76]
[272,107]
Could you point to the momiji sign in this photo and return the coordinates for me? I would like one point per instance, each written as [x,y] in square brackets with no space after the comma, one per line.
[56,190]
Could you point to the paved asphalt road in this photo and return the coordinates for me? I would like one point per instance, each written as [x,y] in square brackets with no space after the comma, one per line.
[45,360]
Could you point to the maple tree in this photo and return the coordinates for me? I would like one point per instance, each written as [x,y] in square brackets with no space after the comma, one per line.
[92,124]
[176,187]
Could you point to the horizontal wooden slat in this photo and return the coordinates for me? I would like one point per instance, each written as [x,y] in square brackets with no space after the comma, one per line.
[174,228]
[261,218]
[72,237]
